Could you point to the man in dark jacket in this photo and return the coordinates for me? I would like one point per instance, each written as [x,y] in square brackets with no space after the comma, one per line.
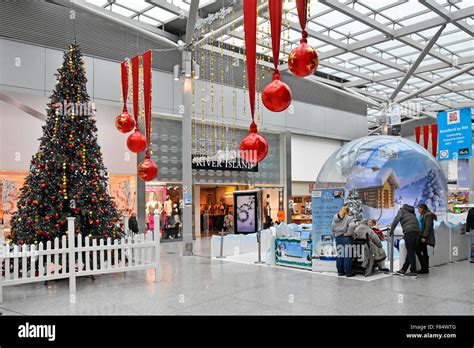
[427,236]
[411,233]
[133,223]
[470,220]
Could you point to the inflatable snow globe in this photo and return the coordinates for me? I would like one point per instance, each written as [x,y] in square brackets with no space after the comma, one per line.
[381,173]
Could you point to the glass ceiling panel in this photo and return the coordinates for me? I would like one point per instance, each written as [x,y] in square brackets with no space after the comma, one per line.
[376,4]
[147,20]
[100,3]
[120,10]
[136,5]
[160,14]
[332,19]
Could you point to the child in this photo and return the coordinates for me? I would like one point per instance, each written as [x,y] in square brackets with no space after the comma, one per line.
[373,225]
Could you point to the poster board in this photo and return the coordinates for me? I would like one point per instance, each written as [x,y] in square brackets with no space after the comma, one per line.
[293,252]
[247,211]
[455,134]
[325,204]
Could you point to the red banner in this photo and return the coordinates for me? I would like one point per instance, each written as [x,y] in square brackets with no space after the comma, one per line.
[124,67]
[275,9]
[426,134]
[136,91]
[146,57]
[250,28]
[417,134]
[434,139]
[302,7]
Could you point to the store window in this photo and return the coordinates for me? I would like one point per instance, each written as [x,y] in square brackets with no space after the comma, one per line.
[165,199]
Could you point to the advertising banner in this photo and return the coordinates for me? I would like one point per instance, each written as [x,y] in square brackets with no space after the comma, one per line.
[326,203]
[293,252]
[455,134]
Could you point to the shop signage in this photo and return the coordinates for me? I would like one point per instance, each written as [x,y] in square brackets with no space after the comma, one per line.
[455,134]
[236,164]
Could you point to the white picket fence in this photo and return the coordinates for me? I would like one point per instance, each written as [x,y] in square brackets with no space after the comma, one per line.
[63,259]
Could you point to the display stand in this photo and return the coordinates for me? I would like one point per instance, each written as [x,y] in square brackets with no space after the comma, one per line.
[259,242]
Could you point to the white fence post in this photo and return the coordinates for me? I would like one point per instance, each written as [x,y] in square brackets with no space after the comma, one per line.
[156,235]
[72,259]
[125,224]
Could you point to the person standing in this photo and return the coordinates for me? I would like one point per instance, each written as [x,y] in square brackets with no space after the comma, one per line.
[133,223]
[411,234]
[342,231]
[427,237]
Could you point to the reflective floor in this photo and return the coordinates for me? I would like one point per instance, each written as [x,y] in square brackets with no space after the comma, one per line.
[201,285]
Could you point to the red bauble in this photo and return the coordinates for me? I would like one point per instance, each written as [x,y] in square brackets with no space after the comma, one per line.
[276,96]
[47,217]
[254,147]
[136,142]
[97,222]
[147,170]
[124,122]
[303,59]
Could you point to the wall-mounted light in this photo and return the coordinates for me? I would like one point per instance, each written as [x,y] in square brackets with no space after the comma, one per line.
[177,72]
[197,70]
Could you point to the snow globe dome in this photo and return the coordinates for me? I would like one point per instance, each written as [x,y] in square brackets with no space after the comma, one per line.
[384,172]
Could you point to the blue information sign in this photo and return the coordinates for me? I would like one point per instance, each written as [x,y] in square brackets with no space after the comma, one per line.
[325,204]
[455,134]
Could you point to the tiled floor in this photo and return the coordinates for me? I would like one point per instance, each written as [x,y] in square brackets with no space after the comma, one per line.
[200,285]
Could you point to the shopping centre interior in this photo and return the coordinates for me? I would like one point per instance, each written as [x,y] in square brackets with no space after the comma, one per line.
[225,141]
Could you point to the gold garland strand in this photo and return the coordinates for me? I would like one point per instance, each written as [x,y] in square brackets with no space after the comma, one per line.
[193,91]
[234,96]
[222,90]
[212,133]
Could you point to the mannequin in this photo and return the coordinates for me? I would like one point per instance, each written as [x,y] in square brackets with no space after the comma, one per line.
[267,212]
[168,206]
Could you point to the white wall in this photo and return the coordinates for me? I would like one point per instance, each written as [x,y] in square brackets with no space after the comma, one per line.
[308,155]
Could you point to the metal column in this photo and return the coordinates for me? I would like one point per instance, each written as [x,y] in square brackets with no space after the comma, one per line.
[141,198]
[187,149]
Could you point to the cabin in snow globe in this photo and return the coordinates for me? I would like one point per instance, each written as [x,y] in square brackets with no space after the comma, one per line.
[381,173]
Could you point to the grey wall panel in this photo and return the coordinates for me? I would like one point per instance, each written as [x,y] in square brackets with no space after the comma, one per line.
[296,116]
[333,123]
[315,118]
[162,94]
[273,118]
[107,82]
[22,65]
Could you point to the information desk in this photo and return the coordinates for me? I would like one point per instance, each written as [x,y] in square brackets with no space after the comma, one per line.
[294,251]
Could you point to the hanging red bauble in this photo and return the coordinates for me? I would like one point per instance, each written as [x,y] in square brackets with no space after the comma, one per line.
[136,141]
[276,96]
[124,122]
[303,59]
[147,170]
[254,147]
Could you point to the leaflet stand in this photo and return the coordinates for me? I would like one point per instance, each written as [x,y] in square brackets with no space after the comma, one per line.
[221,256]
[259,241]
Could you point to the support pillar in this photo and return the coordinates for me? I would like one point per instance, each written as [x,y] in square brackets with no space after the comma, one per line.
[287,175]
[187,150]
[141,198]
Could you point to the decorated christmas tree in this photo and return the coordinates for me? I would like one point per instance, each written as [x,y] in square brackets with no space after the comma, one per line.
[354,202]
[67,176]
[432,191]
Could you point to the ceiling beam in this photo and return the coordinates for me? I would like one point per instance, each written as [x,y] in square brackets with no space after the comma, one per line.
[436,91]
[397,33]
[156,35]
[441,11]
[434,84]
[191,22]
[417,62]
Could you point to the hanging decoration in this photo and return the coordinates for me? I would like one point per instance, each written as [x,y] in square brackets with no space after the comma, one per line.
[276,96]
[136,141]
[303,59]
[147,169]
[254,147]
[124,122]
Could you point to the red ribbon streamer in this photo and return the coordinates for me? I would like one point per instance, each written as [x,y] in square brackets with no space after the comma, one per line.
[426,134]
[250,28]
[136,91]
[146,57]
[302,7]
[124,67]
[434,139]
[417,134]
[276,10]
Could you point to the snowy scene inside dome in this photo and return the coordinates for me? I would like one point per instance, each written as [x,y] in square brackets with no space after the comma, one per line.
[381,173]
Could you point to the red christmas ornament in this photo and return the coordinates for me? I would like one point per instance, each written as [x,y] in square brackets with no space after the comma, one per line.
[276,96]
[97,222]
[47,217]
[147,170]
[124,122]
[136,141]
[254,147]
[303,59]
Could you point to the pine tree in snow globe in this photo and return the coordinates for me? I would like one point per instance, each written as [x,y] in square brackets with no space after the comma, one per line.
[383,173]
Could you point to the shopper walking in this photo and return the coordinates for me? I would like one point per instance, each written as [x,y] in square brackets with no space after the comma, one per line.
[411,234]
[342,229]
[427,236]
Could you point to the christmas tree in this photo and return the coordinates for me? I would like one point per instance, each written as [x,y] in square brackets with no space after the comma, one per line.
[354,202]
[432,191]
[67,176]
